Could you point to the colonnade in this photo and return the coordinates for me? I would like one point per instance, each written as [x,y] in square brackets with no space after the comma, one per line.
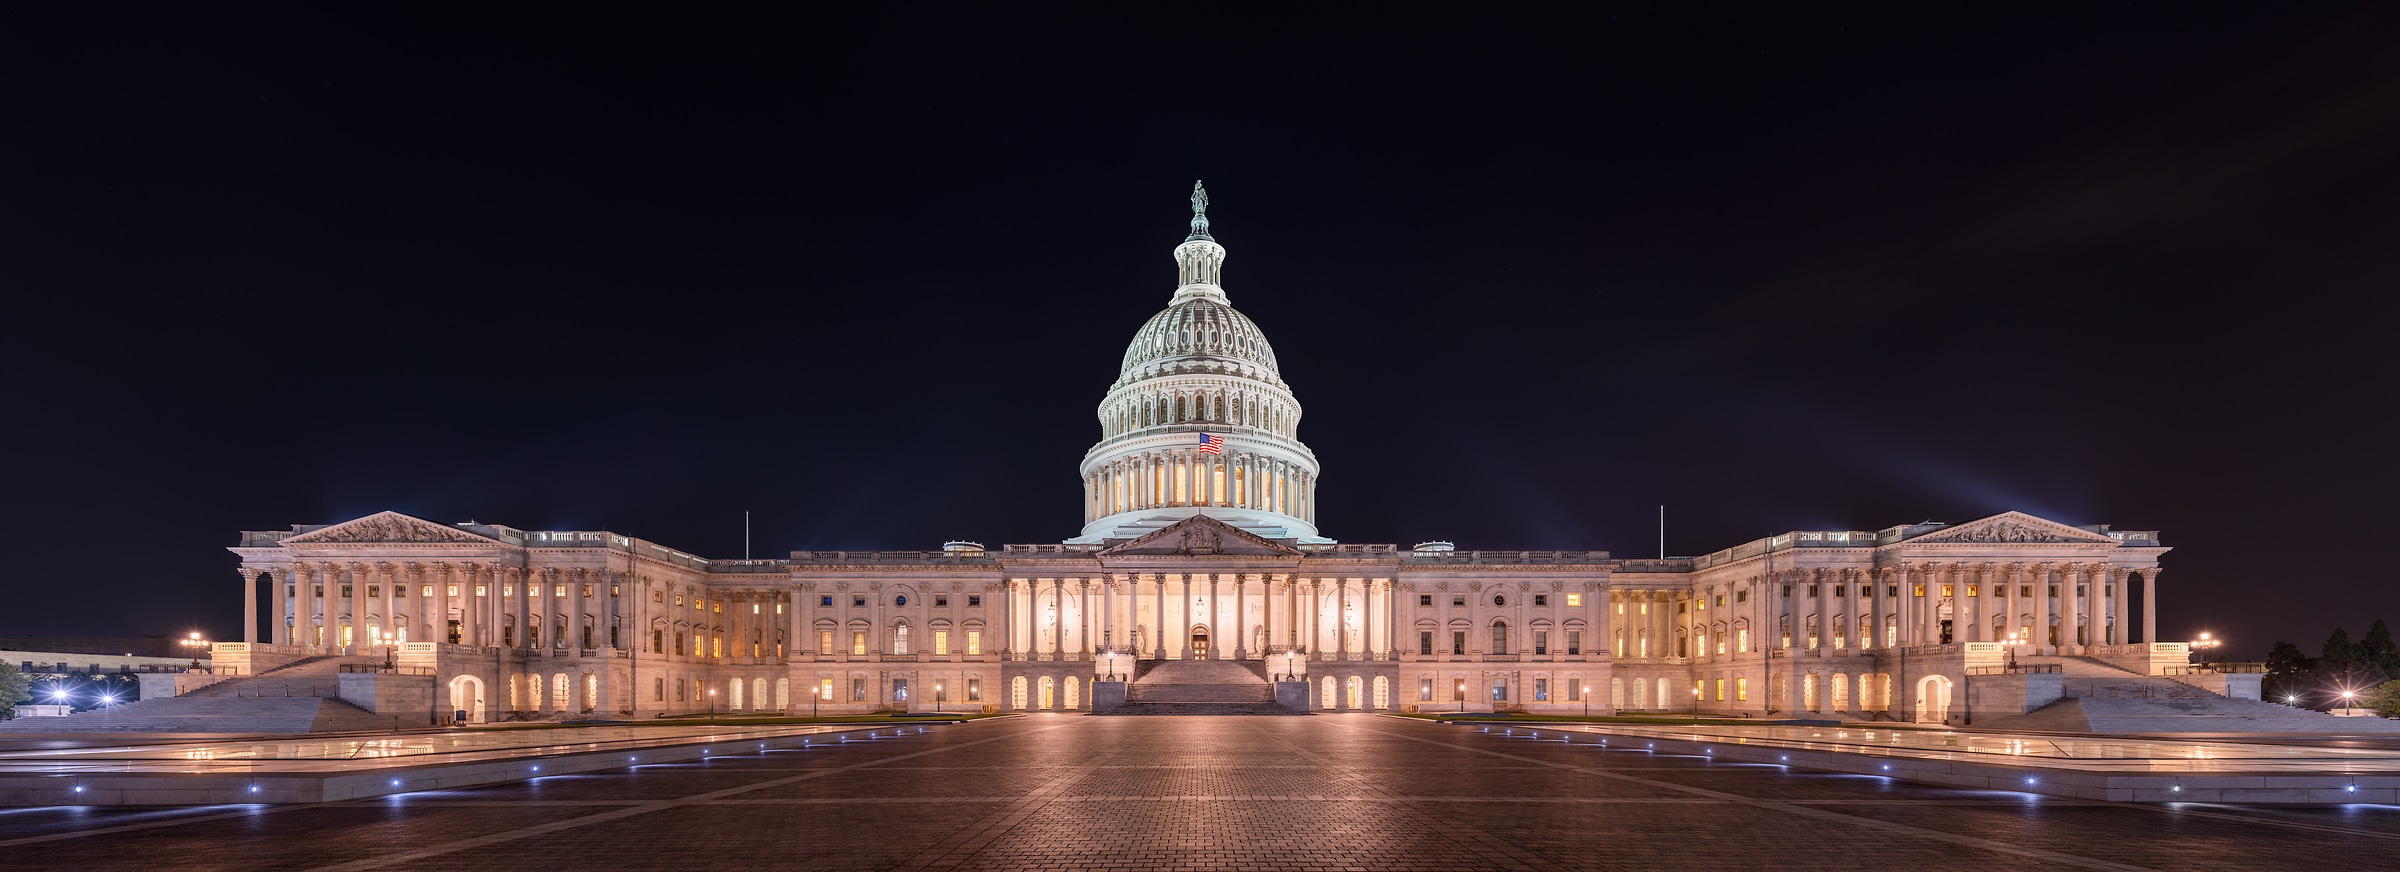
[388,602]
[1243,616]
[1190,477]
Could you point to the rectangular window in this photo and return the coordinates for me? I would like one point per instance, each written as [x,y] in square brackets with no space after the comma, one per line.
[941,600]
[1787,591]
[1458,643]
[678,690]
[753,606]
[1541,599]
[2025,590]
[716,606]
[658,689]
[1425,643]
[824,641]
[1741,690]
[858,600]
[1683,607]
[1720,601]
[825,690]
[941,643]
[658,640]
[1499,690]
[1541,642]
[858,641]
[974,601]
[2078,591]
[1741,596]
[345,590]
[1949,590]
[320,591]
[1741,639]
[1424,690]
[1574,643]
[974,643]
[1720,690]
[1424,599]
[2054,591]
[1541,690]
[974,690]
[616,590]
[425,590]
[679,601]
[1812,590]
[858,690]
[1458,690]
[454,590]
[1458,599]
[1574,601]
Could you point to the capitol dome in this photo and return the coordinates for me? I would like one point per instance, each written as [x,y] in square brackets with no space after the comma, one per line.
[1199,420]
[1200,329]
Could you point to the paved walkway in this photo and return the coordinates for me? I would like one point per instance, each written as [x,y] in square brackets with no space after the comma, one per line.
[1326,792]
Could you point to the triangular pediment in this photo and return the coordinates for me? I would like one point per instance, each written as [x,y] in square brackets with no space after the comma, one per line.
[1201,535]
[386,527]
[2013,528]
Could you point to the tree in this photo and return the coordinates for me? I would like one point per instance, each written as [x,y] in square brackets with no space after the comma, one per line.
[2289,673]
[2377,652]
[2340,660]
[13,685]
[2384,699]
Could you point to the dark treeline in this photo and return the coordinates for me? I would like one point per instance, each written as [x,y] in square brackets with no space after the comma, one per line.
[2340,665]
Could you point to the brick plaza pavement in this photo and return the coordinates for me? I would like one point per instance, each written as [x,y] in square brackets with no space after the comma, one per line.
[1325,792]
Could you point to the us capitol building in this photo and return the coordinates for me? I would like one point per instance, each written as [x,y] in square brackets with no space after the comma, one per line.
[1200,577]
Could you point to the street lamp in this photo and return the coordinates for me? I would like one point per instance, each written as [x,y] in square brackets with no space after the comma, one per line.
[196,645]
[937,696]
[816,694]
[712,703]
[2202,645]
[1695,703]
[2012,649]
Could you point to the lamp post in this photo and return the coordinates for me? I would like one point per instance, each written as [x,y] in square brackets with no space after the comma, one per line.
[937,696]
[712,703]
[2012,649]
[197,645]
[1695,704]
[816,694]
[2202,644]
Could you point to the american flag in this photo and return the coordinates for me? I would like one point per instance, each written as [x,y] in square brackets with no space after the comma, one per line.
[1212,443]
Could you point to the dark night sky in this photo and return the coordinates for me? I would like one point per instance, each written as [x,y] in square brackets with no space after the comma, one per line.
[1530,278]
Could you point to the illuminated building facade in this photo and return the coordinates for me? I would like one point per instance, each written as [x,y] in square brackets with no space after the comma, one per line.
[1200,543]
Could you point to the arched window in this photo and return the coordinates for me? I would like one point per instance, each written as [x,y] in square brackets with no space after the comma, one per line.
[1499,637]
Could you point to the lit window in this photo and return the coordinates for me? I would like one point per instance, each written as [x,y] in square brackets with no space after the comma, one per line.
[974,690]
[1720,690]
[1741,689]
[974,643]
[941,642]
[824,641]
[825,689]
[558,590]
[858,689]
[754,608]
[1574,600]
[858,642]
[1424,690]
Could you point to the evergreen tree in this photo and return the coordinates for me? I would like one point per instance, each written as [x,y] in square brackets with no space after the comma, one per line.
[2384,699]
[2289,674]
[13,686]
[2339,662]
[2377,652]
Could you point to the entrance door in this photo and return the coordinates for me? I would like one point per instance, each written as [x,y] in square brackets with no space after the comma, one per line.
[1199,643]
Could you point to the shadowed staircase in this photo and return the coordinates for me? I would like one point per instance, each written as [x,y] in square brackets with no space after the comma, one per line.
[1200,687]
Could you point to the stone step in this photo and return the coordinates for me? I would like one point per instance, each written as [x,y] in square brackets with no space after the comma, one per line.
[1201,693]
[1199,708]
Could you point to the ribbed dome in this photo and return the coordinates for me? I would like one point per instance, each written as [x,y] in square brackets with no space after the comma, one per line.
[1199,327]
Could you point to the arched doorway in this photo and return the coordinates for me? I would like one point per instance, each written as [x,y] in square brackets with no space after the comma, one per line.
[1199,641]
[466,694]
[1049,693]
[1933,699]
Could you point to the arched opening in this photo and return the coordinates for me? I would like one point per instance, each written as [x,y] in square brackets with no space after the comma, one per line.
[1327,693]
[1383,693]
[466,695]
[1499,637]
[1808,692]
[591,692]
[1049,693]
[1016,693]
[733,695]
[1199,641]
[1354,701]
[783,694]
[562,691]
[758,693]
[1074,700]
[1933,699]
